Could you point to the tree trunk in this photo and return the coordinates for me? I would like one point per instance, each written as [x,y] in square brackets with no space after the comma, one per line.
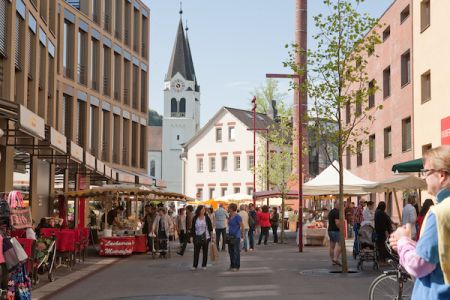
[342,214]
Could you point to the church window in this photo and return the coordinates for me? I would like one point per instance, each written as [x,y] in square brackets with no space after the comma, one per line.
[182,109]
[178,137]
[173,107]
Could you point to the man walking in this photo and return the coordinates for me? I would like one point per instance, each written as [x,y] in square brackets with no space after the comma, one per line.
[333,233]
[244,216]
[251,225]
[409,216]
[357,220]
[221,225]
[150,215]
[189,217]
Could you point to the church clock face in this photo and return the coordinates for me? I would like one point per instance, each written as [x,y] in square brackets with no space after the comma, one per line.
[177,85]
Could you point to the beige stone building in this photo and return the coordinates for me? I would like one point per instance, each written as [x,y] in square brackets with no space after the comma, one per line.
[74,95]
[431,43]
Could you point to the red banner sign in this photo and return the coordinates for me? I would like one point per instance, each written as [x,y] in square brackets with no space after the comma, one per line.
[445,131]
[116,246]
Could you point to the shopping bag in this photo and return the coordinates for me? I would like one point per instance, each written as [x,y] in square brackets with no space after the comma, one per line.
[11,259]
[213,253]
[20,215]
[19,284]
[20,252]
[4,212]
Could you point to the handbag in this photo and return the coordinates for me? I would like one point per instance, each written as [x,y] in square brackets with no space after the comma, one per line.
[214,252]
[11,259]
[19,285]
[20,215]
[230,239]
[20,252]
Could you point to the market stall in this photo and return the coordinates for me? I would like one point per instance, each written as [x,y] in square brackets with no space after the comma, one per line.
[126,237]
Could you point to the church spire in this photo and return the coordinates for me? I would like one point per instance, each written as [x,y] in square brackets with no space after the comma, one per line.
[181,60]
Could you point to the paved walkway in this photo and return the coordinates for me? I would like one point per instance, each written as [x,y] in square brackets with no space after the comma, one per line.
[270,272]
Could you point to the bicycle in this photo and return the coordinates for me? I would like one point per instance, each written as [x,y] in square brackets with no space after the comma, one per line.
[394,284]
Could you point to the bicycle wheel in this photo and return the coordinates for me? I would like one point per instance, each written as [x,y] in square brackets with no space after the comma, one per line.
[386,286]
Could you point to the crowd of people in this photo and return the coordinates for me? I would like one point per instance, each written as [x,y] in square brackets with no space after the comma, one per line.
[233,228]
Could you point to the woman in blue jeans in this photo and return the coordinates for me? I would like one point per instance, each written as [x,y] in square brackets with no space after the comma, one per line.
[235,227]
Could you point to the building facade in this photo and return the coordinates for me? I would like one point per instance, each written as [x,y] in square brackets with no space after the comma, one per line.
[74,94]
[155,152]
[218,160]
[390,138]
[430,76]
[181,118]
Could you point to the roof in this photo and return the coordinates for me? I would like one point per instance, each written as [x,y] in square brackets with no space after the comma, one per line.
[181,60]
[244,116]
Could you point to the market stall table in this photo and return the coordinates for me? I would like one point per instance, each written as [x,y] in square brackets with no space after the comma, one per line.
[315,236]
[117,246]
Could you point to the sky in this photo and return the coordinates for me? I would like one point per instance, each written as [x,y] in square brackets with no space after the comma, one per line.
[234,44]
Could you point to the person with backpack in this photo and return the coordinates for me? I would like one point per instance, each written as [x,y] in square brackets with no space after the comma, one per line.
[252,226]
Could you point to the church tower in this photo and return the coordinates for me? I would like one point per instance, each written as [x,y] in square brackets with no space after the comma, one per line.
[181,118]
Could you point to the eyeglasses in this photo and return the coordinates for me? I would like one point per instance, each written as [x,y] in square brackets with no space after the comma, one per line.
[424,173]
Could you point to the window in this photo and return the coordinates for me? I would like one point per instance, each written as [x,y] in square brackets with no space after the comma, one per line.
[237,190]
[126,82]
[358,104]
[359,156]
[3,27]
[224,163]
[144,36]
[116,74]
[136,31]
[371,93]
[182,110]
[250,191]
[106,135]
[348,155]
[347,113]
[19,45]
[386,33]
[93,132]
[144,106]
[426,86]
[127,23]
[406,68]
[107,16]
[211,193]
[81,115]
[118,19]
[231,134]
[178,137]
[387,142]
[404,14]
[212,164]
[134,144]
[96,11]
[143,146]
[115,142]
[218,135]
[173,107]
[67,116]
[68,49]
[135,87]
[106,70]
[406,134]
[387,82]
[223,191]
[125,142]
[237,163]
[95,64]
[424,15]
[199,194]
[372,155]
[426,147]
[152,168]
[82,57]
[200,165]
[250,162]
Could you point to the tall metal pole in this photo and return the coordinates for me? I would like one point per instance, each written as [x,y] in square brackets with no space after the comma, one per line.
[300,103]
[254,149]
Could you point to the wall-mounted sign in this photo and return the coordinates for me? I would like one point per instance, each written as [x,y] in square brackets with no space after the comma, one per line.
[76,152]
[145,180]
[125,177]
[100,167]
[445,131]
[89,159]
[161,183]
[108,171]
[58,140]
[31,122]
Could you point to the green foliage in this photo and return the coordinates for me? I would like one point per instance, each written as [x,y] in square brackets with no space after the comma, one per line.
[266,93]
[154,119]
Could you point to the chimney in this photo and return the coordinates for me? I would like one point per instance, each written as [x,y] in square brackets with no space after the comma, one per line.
[272,111]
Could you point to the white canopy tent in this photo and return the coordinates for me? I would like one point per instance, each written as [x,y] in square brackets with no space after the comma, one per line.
[399,182]
[327,183]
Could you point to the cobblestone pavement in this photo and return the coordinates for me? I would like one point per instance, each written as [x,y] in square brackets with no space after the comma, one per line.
[274,271]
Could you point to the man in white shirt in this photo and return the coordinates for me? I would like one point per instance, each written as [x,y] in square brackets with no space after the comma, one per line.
[409,215]
[244,216]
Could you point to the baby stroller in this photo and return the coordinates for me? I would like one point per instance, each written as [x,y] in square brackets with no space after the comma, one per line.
[44,259]
[367,247]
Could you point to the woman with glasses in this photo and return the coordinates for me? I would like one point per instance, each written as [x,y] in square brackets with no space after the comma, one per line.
[428,260]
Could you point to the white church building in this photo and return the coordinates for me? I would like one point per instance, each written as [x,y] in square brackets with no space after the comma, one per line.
[218,160]
[181,118]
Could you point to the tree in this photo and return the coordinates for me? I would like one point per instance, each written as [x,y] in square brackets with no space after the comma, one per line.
[338,82]
[154,119]
[278,166]
[265,94]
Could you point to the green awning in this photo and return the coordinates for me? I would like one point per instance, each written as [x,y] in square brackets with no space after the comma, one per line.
[408,166]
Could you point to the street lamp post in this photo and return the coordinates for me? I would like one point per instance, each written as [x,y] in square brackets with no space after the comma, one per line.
[254,149]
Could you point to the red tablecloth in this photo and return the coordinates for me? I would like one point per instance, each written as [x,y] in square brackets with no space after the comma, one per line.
[116,246]
[140,243]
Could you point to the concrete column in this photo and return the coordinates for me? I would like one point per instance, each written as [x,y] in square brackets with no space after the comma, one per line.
[7,167]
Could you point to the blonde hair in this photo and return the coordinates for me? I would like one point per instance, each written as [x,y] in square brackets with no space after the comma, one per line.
[439,158]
